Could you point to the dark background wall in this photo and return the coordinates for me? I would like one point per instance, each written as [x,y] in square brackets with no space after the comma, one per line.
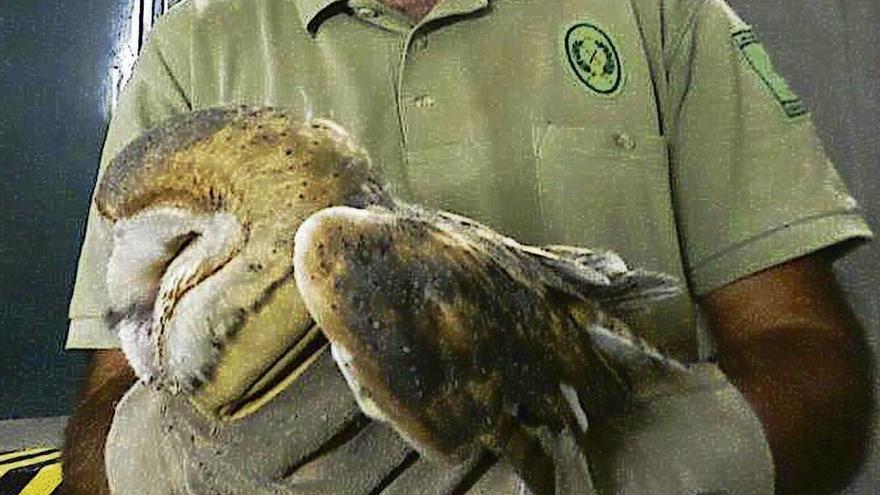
[54,77]
[55,58]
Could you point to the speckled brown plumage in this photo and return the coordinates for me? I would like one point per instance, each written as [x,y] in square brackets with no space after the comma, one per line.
[461,338]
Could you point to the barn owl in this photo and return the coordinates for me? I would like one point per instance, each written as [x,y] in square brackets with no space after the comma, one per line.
[457,336]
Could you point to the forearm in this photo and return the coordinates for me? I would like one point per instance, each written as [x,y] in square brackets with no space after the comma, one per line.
[86,431]
[814,399]
[788,340]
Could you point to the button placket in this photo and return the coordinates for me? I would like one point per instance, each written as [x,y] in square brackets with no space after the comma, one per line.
[411,98]
[404,97]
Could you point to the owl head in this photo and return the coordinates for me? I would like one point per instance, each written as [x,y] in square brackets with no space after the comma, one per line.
[203,211]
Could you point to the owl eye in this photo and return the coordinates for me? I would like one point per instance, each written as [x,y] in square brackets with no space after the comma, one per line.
[143,247]
[178,244]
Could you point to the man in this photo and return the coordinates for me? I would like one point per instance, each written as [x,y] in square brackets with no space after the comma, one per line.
[657,129]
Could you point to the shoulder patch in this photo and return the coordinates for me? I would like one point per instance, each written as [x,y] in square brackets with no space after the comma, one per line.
[593,58]
[746,41]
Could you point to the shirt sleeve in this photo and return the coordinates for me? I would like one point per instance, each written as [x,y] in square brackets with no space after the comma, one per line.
[752,185]
[153,94]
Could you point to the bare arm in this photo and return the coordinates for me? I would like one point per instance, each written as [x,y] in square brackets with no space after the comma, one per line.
[789,342]
[109,377]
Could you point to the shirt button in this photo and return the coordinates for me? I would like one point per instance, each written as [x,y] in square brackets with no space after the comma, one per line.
[424,101]
[624,140]
[367,12]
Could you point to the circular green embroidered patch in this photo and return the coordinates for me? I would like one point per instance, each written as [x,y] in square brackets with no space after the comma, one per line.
[593,58]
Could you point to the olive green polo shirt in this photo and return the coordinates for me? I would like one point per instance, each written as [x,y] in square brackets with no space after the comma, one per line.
[656,129]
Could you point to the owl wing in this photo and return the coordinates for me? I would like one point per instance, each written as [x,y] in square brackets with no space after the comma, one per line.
[414,313]
[449,331]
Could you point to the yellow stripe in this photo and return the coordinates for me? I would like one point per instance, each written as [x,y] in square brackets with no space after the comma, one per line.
[28,462]
[22,453]
[46,481]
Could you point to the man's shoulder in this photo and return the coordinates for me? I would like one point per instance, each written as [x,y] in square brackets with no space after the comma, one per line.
[197,9]
[223,17]
[672,20]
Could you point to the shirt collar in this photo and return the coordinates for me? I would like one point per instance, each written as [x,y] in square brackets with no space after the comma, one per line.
[446,8]
[310,11]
